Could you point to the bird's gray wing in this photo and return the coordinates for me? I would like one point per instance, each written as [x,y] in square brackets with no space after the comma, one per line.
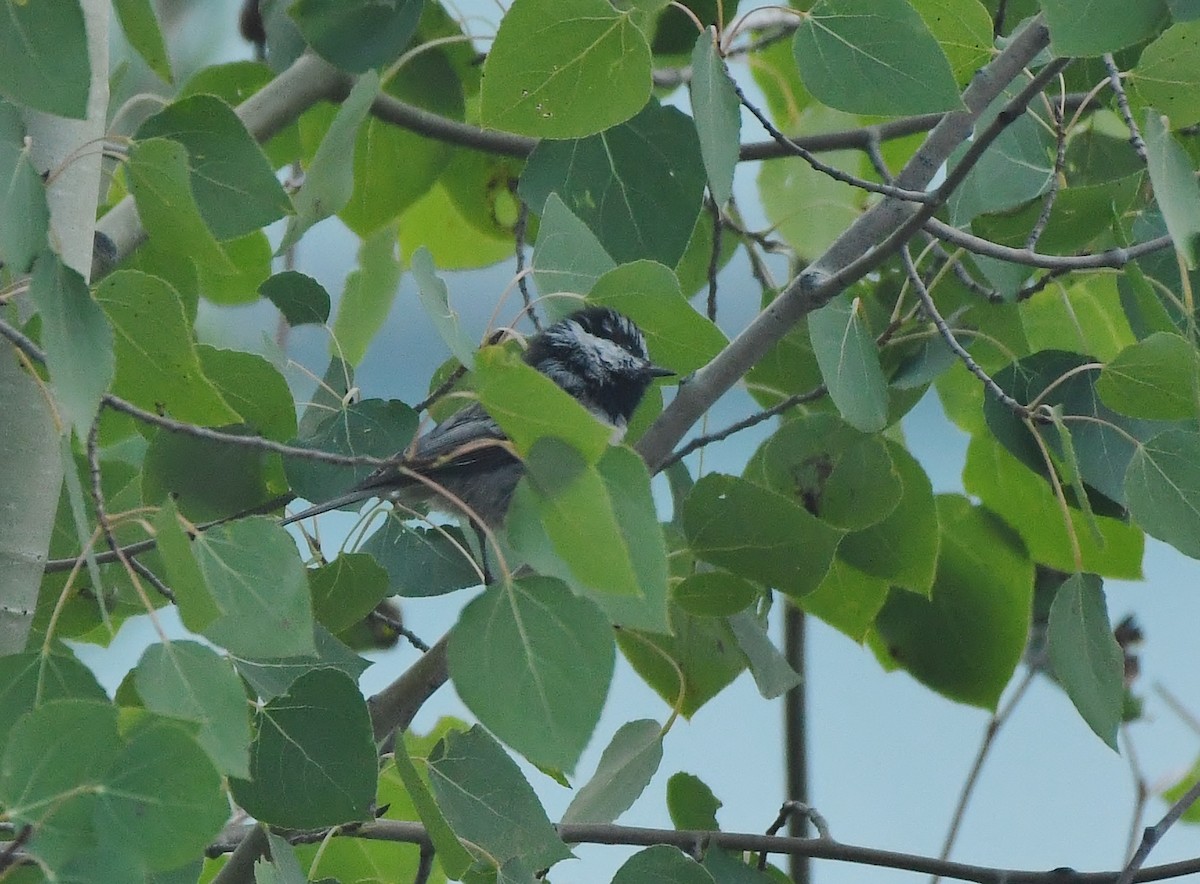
[451,453]
[457,446]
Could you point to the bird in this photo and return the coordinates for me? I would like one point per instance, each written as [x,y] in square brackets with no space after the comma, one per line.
[595,354]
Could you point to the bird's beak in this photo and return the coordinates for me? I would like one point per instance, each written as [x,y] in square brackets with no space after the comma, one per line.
[657,371]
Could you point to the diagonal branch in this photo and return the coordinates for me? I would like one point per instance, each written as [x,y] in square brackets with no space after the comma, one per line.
[875,236]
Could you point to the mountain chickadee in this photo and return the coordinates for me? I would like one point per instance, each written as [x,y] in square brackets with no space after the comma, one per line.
[595,354]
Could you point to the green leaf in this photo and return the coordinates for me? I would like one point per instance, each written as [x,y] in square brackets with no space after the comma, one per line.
[271,678]
[157,364]
[77,337]
[235,82]
[428,81]
[208,480]
[1085,318]
[1086,658]
[186,680]
[718,116]
[601,520]
[160,182]
[1181,788]
[50,42]
[346,590]
[197,608]
[1012,491]
[441,224]
[141,30]
[1016,167]
[714,593]
[529,406]
[809,208]
[300,298]
[26,217]
[488,803]
[254,573]
[845,349]
[435,298]
[46,781]
[1104,440]
[367,298]
[373,427]
[873,57]
[677,336]
[661,864]
[469,217]
[452,856]
[849,599]
[1175,187]
[728,867]
[902,548]
[758,534]
[963,28]
[965,640]
[254,388]
[357,35]
[284,861]
[533,662]
[625,499]
[628,762]
[772,673]
[1163,489]
[1167,75]
[329,179]
[567,256]
[162,799]
[1095,27]
[564,69]
[312,763]
[638,186]
[422,561]
[251,256]
[698,659]
[1156,378]
[691,804]
[30,680]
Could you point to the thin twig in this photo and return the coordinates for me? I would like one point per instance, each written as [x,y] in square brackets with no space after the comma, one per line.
[952,342]
[258,443]
[1141,792]
[1114,79]
[1153,834]
[405,832]
[745,423]
[519,230]
[1111,258]
[714,258]
[1176,706]
[1060,159]
[133,565]
[794,147]
[790,811]
[985,747]
[395,624]
[8,855]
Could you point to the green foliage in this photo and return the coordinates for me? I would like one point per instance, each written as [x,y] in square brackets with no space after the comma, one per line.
[625,768]
[52,44]
[1068,278]
[565,69]
[871,57]
[533,662]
